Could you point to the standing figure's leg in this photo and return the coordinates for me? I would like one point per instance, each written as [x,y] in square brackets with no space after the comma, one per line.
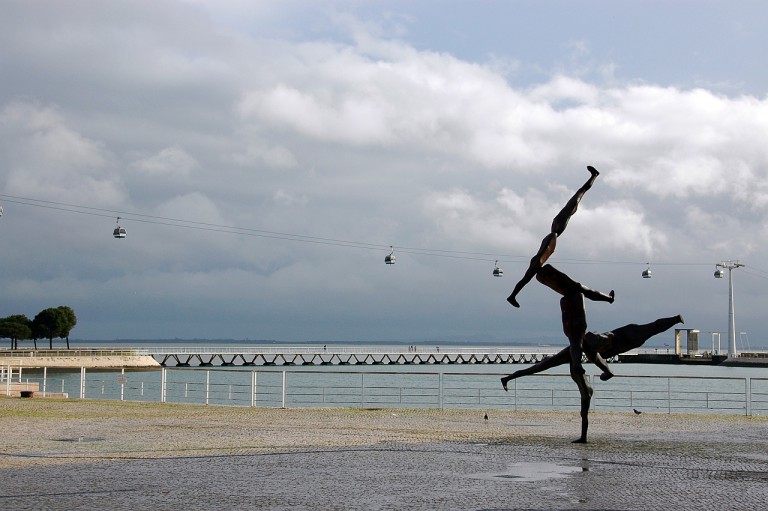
[576,350]
[560,358]
[575,327]
[561,220]
[585,390]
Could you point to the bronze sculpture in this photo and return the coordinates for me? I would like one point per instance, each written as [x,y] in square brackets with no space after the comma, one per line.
[559,223]
[608,345]
[574,315]
[605,345]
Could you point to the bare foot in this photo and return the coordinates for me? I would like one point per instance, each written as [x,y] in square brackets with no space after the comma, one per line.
[612,295]
[504,383]
[680,319]
[593,170]
[513,302]
[607,375]
[581,440]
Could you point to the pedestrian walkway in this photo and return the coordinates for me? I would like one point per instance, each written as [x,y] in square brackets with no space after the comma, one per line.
[96,456]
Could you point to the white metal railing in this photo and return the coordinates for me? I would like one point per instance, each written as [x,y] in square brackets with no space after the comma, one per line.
[424,350]
[752,353]
[281,388]
[279,350]
[320,350]
[342,350]
[79,352]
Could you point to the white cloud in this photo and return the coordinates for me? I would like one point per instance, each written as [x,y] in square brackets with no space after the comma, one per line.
[436,103]
[565,88]
[45,157]
[618,227]
[511,222]
[258,153]
[170,163]
[193,207]
[287,198]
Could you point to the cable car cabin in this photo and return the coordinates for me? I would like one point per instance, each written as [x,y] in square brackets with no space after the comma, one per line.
[119,232]
[719,273]
[390,259]
[647,274]
[498,272]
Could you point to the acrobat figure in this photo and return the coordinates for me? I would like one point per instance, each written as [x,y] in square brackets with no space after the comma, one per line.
[574,317]
[605,345]
[550,240]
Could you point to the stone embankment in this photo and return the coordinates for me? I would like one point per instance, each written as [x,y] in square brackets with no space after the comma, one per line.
[101,359]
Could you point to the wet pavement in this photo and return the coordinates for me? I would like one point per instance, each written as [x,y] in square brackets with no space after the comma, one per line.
[623,472]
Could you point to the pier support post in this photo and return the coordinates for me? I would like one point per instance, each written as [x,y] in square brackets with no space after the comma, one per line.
[82,383]
[253,388]
[440,385]
[669,395]
[207,385]
[163,381]
[362,390]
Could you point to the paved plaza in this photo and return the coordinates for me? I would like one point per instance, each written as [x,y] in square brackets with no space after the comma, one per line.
[216,458]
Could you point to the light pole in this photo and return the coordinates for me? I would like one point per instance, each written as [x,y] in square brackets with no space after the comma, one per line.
[729,265]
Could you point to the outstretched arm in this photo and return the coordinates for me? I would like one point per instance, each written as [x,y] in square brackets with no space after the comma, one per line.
[545,250]
[594,357]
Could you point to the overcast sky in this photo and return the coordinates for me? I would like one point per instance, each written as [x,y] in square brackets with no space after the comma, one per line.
[263,156]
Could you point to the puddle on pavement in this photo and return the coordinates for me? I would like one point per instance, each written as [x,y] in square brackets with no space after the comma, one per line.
[537,471]
[80,439]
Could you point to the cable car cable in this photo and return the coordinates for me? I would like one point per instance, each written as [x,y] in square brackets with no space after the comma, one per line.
[261,233]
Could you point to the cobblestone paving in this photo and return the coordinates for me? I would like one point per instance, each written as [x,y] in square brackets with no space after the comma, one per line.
[516,462]
[519,475]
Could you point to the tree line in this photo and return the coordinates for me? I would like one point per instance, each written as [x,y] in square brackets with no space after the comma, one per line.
[53,322]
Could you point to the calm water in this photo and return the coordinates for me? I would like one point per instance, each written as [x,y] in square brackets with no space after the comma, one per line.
[651,387]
